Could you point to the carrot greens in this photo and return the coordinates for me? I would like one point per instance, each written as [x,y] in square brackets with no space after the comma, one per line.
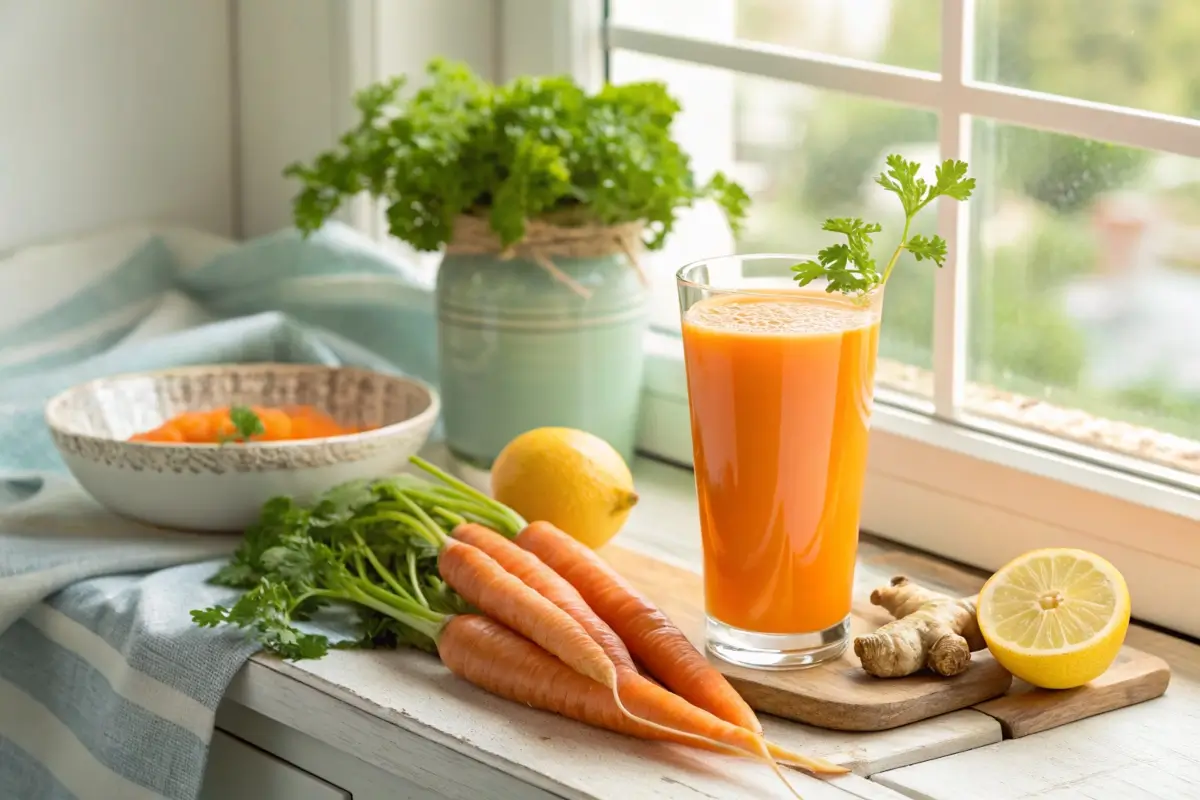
[849,267]
[366,547]
[503,518]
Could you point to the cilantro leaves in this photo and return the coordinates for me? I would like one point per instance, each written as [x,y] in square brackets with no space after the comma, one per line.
[267,610]
[849,267]
[532,148]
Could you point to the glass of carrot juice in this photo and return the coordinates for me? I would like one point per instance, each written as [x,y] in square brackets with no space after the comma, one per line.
[780,385]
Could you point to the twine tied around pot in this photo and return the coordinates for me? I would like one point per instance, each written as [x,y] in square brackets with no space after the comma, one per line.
[545,241]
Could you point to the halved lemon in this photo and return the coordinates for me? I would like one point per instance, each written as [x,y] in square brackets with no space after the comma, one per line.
[1055,618]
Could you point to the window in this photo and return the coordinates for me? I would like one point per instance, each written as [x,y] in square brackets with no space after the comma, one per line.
[1042,389]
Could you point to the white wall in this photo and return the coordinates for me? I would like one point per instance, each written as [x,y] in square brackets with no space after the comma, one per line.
[187,111]
[286,50]
[300,60]
[414,31]
[114,111]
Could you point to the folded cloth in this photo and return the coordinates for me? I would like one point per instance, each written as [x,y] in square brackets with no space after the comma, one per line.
[107,690]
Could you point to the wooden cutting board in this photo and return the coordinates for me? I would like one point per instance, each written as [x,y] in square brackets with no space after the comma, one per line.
[840,696]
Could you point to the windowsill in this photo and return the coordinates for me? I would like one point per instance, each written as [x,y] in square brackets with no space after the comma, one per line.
[980,498]
[1071,432]
[401,712]
[665,383]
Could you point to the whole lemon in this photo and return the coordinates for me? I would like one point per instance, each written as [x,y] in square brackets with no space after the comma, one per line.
[568,477]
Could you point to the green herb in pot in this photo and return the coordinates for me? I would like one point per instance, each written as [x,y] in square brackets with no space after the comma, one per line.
[535,148]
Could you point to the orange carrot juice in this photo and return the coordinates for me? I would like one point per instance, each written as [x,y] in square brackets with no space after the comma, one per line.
[780,388]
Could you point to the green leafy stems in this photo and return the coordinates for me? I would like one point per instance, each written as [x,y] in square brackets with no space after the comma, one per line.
[299,577]
[848,267]
[534,148]
[367,547]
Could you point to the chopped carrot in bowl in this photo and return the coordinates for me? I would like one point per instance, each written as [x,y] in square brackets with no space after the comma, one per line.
[246,424]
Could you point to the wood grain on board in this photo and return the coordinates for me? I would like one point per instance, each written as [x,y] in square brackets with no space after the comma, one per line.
[836,695]
[839,695]
[1133,678]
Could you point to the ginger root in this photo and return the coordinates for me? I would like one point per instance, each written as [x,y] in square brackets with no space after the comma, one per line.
[931,630]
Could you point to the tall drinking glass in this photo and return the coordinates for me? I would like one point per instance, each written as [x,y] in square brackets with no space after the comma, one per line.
[780,385]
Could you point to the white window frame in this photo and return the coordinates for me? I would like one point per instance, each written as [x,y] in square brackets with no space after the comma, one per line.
[938,479]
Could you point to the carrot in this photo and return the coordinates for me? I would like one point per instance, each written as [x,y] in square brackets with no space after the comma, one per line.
[277,425]
[657,644]
[161,434]
[497,660]
[505,598]
[488,586]
[644,698]
[196,426]
[500,661]
[536,575]
[494,658]
[648,633]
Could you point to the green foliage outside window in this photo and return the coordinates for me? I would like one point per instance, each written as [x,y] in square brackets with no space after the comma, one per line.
[1139,53]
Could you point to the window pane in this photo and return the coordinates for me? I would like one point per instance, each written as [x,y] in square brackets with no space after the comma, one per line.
[902,33]
[1085,291]
[1138,53]
[803,155]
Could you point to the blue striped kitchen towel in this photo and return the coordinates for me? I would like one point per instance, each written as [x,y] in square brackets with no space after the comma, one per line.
[107,690]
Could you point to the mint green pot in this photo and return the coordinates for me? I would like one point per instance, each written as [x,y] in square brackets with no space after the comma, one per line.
[518,350]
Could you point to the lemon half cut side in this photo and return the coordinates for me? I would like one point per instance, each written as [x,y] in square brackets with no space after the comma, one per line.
[1055,618]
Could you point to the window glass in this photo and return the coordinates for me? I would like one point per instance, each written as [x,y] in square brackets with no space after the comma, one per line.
[803,155]
[902,33]
[1085,286]
[1137,53]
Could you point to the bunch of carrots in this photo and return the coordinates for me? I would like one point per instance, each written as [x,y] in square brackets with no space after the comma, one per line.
[519,609]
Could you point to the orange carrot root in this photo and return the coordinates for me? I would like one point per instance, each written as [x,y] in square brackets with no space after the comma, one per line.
[648,633]
[635,695]
[505,598]
[533,575]
[494,658]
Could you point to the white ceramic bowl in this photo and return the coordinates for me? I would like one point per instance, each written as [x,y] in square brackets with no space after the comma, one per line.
[210,487]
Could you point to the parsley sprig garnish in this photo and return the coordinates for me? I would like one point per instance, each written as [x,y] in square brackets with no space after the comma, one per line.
[849,267]
[246,425]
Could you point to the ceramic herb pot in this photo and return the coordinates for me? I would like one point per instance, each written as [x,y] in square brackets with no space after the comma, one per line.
[522,346]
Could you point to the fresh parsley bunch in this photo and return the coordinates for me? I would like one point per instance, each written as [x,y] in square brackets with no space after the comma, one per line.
[848,267]
[533,148]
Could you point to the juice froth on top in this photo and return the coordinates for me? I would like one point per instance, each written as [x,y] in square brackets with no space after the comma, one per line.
[801,314]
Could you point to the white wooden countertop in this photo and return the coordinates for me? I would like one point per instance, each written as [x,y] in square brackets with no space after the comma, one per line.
[403,713]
